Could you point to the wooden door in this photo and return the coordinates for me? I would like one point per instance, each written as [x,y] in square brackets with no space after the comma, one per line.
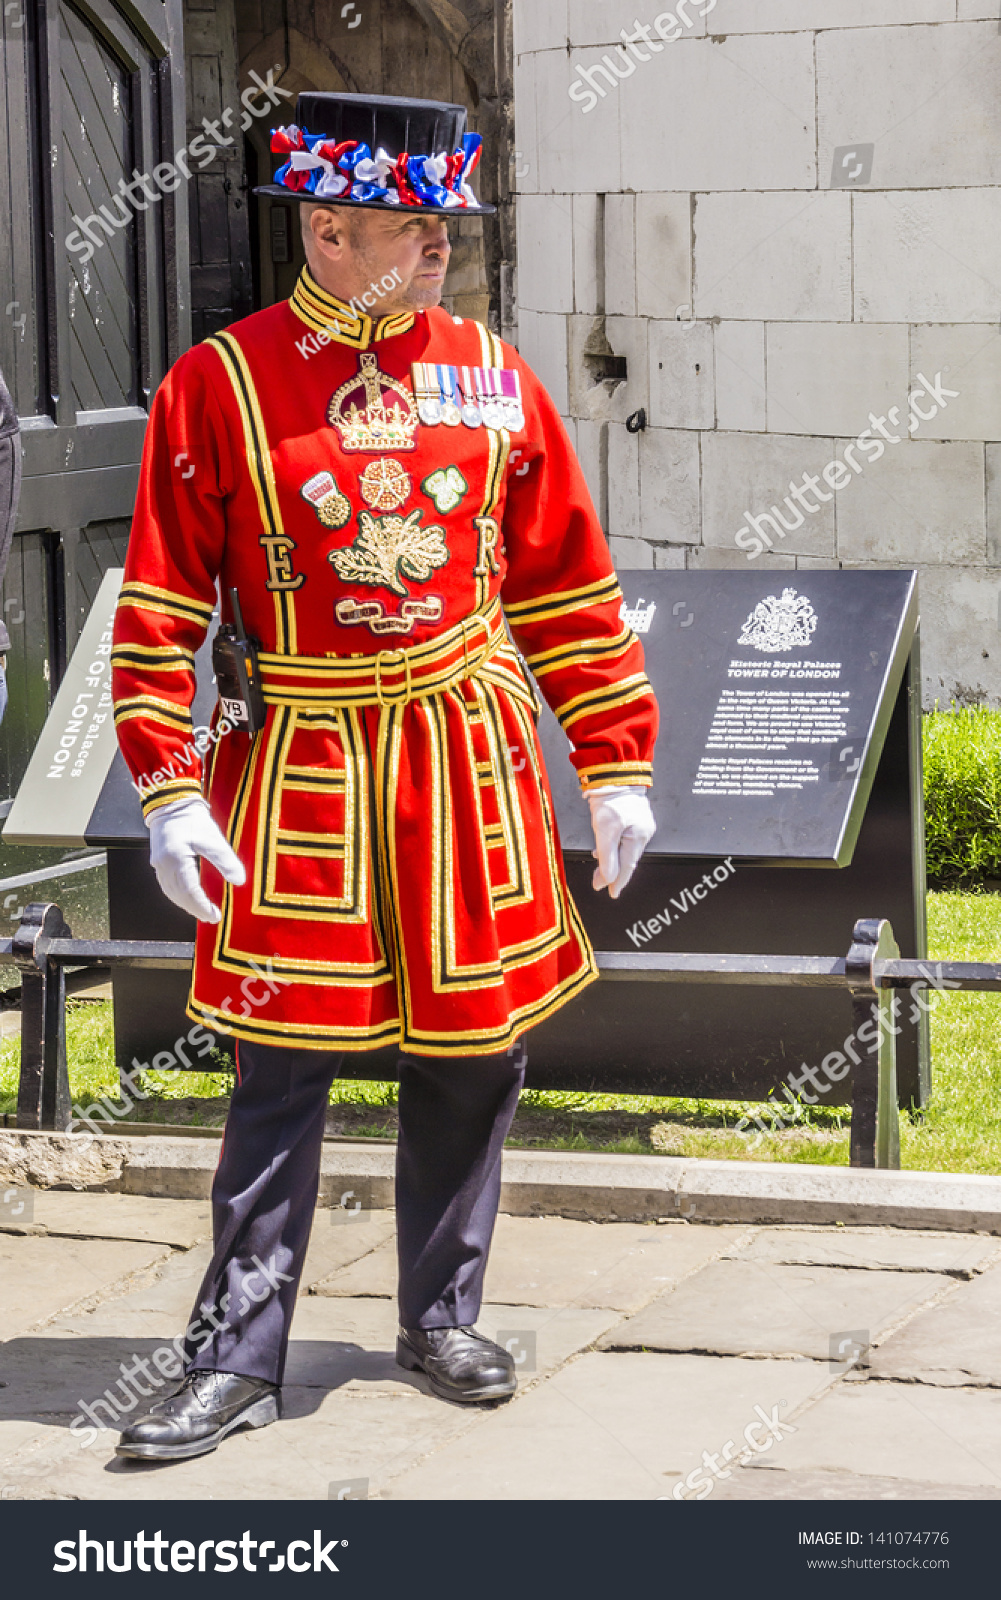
[94,294]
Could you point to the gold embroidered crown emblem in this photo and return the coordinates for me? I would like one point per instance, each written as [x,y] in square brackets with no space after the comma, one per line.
[382,423]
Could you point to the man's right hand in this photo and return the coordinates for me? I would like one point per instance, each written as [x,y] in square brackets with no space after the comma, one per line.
[179,834]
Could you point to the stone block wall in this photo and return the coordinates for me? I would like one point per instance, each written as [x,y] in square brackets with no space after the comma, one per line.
[705,236]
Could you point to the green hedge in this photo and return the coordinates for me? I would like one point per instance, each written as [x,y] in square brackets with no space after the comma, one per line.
[963,795]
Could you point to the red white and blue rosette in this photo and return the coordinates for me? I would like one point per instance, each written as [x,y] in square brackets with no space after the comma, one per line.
[328,170]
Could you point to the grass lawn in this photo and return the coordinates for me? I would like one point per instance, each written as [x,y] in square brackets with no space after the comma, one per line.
[960,1130]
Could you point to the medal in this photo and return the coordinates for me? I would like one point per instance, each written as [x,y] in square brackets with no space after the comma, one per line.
[488,391]
[511,392]
[428,394]
[470,409]
[448,382]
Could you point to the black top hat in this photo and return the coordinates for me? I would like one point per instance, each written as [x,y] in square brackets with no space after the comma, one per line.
[378,151]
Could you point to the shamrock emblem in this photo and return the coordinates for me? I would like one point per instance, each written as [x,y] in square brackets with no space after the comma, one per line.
[446,488]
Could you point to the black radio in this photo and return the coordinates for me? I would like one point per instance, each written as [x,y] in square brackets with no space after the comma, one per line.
[238,675]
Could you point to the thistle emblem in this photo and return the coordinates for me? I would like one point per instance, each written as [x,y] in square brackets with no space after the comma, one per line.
[376,425]
[780,624]
[389,549]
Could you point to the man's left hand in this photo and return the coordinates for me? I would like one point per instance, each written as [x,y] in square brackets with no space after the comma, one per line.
[623,827]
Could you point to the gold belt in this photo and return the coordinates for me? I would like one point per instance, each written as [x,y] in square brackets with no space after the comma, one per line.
[390,678]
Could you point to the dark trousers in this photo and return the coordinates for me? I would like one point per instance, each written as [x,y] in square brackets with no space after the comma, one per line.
[454,1117]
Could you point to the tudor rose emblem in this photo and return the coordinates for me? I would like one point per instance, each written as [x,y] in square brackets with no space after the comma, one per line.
[387,420]
[777,624]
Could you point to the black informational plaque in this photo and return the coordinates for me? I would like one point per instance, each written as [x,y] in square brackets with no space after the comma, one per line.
[788,798]
[776,693]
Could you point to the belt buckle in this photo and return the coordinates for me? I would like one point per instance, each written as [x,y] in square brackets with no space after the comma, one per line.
[466,621]
[395,698]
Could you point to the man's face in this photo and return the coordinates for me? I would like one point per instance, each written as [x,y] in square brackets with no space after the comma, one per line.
[353,252]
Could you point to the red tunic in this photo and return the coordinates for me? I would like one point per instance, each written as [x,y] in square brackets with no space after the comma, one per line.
[404,876]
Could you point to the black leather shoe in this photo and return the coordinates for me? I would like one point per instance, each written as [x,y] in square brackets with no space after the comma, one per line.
[459,1363]
[198,1415]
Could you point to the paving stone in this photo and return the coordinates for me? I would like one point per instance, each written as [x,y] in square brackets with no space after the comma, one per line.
[49,1374]
[953,1344]
[180,1223]
[352,1343]
[774,1483]
[335,1344]
[752,1307]
[610,1428]
[959,1255]
[556,1262]
[15,1435]
[552,1261]
[375,1275]
[350,1412]
[43,1276]
[160,1309]
[157,1309]
[901,1430]
[329,1437]
[333,1244]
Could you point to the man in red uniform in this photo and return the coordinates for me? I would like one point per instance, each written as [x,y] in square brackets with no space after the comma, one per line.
[383,485]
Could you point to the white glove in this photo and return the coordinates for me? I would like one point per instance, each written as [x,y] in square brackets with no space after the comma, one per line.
[623,827]
[178,835]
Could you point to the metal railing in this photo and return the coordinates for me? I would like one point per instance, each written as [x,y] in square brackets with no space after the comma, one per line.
[43,947]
